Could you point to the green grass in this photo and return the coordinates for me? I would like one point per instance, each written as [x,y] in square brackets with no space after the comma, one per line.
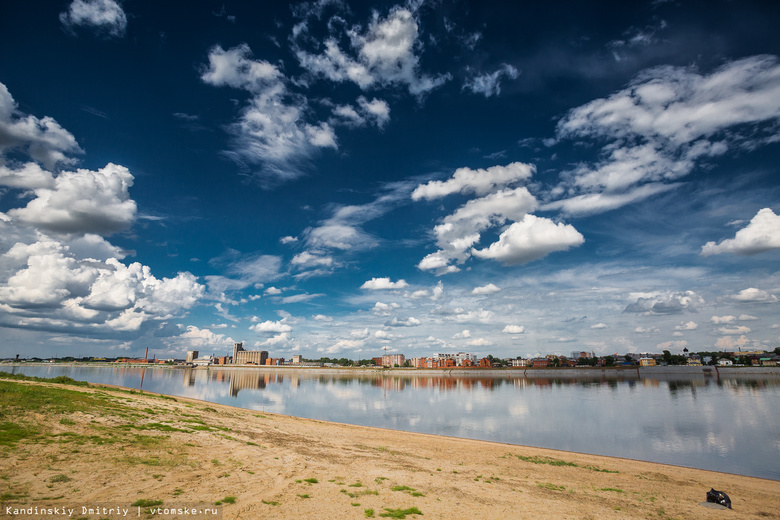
[616,490]
[413,492]
[369,513]
[551,487]
[59,478]
[311,480]
[11,433]
[400,513]
[270,502]
[304,496]
[145,502]
[226,500]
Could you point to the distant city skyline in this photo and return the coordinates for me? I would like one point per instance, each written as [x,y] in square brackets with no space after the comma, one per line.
[330,178]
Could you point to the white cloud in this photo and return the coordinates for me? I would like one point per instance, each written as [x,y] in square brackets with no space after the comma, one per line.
[486,289]
[479,182]
[731,343]
[383,284]
[599,326]
[57,289]
[288,240]
[271,326]
[514,329]
[299,298]
[273,291]
[384,54]
[403,322]
[104,16]
[747,317]
[490,84]
[322,318]
[647,330]
[691,325]
[384,309]
[734,330]
[661,126]
[272,130]
[530,239]
[307,259]
[44,140]
[753,295]
[341,346]
[194,338]
[666,303]
[83,201]
[717,320]
[464,334]
[479,342]
[762,234]
[672,345]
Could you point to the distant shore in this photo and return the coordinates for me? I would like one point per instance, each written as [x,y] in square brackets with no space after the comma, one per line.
[103,445]
[562,372]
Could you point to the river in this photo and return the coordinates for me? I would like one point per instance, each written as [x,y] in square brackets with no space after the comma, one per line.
[725,422]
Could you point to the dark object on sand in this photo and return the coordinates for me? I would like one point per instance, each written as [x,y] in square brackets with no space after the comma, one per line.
[718,497]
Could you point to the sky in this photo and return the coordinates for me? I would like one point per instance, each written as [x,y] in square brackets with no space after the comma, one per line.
[341,179]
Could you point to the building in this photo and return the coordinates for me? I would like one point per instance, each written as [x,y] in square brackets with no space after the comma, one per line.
[203,361]
[646,362]
[245,357]
[393,360]
[192,355]
[297,359]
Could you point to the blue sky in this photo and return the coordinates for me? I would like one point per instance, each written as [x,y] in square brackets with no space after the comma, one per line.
[329,178]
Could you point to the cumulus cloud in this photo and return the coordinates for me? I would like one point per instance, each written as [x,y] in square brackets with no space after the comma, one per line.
[530,239]
[52,288]
[83,201]
[382,54]
[383,284]
[56,272]
[464,334]
[486,289]
[514,329]
[272,326]
[43,140]
[490,84]
[760,235]
[663,124]
[672,345]
[194,338]
[718,320]
[753,295]
[666,303]
[599,326]
[384,309]
[479,181]
[411,321]
[731,343]
[527,238]
[479,342]
[691,325]
[103,16]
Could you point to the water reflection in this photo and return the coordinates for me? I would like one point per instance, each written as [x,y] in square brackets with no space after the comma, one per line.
[711,422]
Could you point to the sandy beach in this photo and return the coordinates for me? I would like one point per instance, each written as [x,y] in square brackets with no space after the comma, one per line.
[102,445]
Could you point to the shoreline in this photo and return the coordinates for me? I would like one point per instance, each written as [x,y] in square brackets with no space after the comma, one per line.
[183,450]
[634,372]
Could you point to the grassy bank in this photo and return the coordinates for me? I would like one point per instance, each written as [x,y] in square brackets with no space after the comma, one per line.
[70,443]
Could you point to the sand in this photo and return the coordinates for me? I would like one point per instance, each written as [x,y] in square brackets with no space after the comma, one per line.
[185,452]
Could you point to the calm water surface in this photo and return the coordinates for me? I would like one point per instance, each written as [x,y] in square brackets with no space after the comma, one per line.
[728,424]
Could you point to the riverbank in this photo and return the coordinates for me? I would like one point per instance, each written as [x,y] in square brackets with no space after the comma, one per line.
[64,444]
[630,372]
